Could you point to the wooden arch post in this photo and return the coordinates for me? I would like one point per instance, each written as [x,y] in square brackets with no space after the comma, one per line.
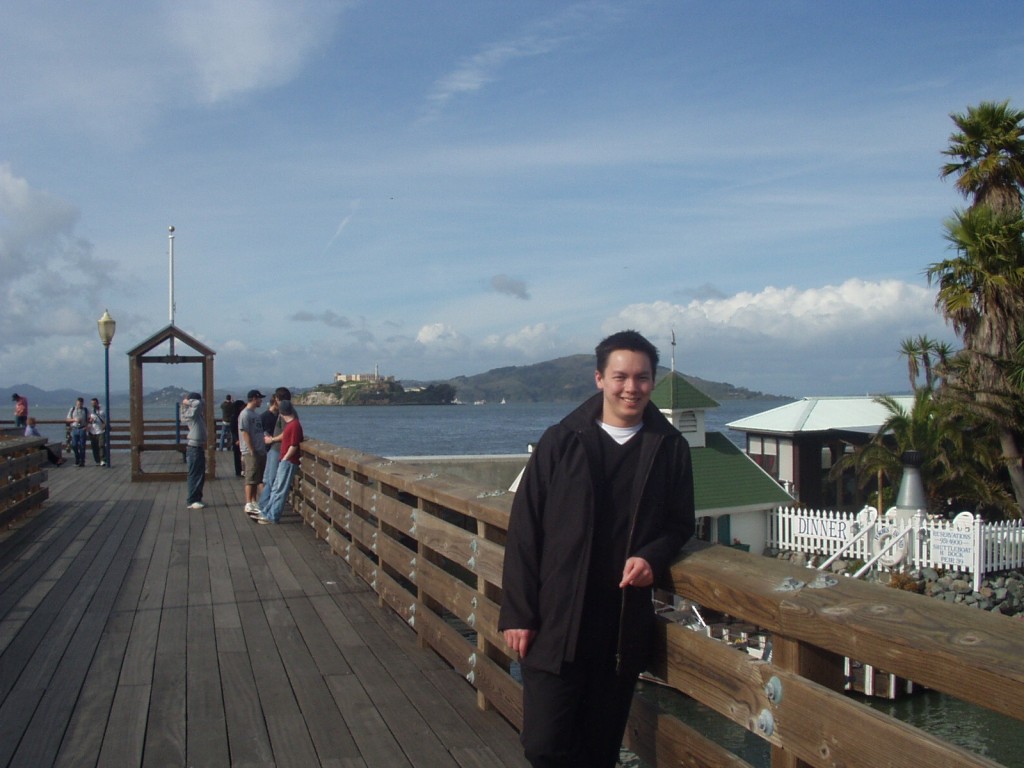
[143,354]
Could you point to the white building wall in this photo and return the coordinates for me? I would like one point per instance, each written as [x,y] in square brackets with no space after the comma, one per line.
[750,528]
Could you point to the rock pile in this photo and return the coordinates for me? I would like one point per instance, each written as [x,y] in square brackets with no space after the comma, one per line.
[1001,594]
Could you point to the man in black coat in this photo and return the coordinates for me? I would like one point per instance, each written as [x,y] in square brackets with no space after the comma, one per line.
[605,504]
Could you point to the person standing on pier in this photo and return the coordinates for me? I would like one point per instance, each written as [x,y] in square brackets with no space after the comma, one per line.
[20,410]
[291,439]
[77,420]
[227,415]
[254,450]
[273,428]
[236,446]
[605,504]
[97,433]
[194,415]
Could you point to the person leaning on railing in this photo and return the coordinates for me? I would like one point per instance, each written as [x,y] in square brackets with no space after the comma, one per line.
[604,505]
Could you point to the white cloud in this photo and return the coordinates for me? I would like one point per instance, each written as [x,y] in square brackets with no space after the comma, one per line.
[476,71]
[792,341]
[52,281]
[237,46]
[543,36]
[440,336]
[533,341]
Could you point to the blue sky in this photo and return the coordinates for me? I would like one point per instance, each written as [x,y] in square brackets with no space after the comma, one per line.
[442,188]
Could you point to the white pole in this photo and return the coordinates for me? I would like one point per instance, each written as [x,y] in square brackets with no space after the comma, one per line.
[170,280]
[170,262]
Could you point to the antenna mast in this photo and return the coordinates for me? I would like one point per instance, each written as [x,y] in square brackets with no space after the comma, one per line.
[170,280]
[672,377]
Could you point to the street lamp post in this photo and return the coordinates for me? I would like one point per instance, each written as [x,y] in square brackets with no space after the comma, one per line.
[106,326]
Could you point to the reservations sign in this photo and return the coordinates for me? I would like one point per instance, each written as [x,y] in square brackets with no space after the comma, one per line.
[953,547]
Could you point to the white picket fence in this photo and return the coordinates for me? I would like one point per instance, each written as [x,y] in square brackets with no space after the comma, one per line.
[965,544]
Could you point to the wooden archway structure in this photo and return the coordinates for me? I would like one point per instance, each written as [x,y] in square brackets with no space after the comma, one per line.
[140,356]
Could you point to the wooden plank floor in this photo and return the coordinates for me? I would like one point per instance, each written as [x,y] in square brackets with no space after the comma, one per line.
[134,632]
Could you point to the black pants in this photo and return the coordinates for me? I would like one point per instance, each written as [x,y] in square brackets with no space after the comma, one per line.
[576,719]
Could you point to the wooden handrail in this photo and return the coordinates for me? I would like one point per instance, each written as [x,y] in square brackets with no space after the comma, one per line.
[162,433]
[431,547]
[22,476]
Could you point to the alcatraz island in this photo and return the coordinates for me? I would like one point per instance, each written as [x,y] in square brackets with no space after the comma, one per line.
[374,389]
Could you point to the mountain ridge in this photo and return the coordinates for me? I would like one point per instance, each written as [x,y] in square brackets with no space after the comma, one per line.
[569,378]
[562,379]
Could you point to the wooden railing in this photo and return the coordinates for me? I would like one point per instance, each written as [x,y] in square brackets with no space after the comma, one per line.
[432,550]
[22,474]
[161,434]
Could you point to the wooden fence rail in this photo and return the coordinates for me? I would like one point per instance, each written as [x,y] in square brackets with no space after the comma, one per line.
[162,434]
[966,543]
[432,549]
[22,474]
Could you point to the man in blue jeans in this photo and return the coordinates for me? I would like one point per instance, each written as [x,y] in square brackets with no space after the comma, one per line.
[193,414]
[273,427]
[77,420]
[291,440]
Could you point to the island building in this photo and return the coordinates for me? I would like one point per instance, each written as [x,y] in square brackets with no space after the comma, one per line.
[365,378]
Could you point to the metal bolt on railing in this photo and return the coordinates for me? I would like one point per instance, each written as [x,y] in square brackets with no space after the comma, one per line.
[773,690]
[766,722]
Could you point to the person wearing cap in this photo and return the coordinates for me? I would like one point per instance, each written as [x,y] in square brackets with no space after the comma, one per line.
[193,414]
[254,450]
[291,439]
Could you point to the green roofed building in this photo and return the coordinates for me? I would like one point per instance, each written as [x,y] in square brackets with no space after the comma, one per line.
[733,494]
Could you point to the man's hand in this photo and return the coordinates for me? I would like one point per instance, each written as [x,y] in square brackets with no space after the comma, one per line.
[637,573]
[519,639]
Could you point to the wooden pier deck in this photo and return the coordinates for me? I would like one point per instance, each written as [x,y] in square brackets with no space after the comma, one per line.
[134,632]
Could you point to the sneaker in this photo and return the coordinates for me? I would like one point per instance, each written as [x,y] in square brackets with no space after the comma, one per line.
[254,515]
[265,521]
[250,507]
[197,505]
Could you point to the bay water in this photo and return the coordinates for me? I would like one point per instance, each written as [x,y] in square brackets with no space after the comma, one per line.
[429,430]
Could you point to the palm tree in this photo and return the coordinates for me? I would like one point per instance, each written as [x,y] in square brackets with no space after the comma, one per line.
[988,155]
[919,353]
[909,349]
[926,348]
[981,292]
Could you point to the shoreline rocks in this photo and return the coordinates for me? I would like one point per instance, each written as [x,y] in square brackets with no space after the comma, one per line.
[1000,593]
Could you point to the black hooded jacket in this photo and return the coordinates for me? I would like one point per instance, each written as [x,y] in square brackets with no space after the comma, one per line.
[550,535]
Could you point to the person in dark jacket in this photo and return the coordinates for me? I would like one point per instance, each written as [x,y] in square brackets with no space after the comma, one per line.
[604,506]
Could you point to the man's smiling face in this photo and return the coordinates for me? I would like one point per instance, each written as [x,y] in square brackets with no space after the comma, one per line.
[627,382]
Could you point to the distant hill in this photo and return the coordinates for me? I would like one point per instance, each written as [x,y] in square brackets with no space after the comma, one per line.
[41,397]
[567,379]
[66,397]
[564,379]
